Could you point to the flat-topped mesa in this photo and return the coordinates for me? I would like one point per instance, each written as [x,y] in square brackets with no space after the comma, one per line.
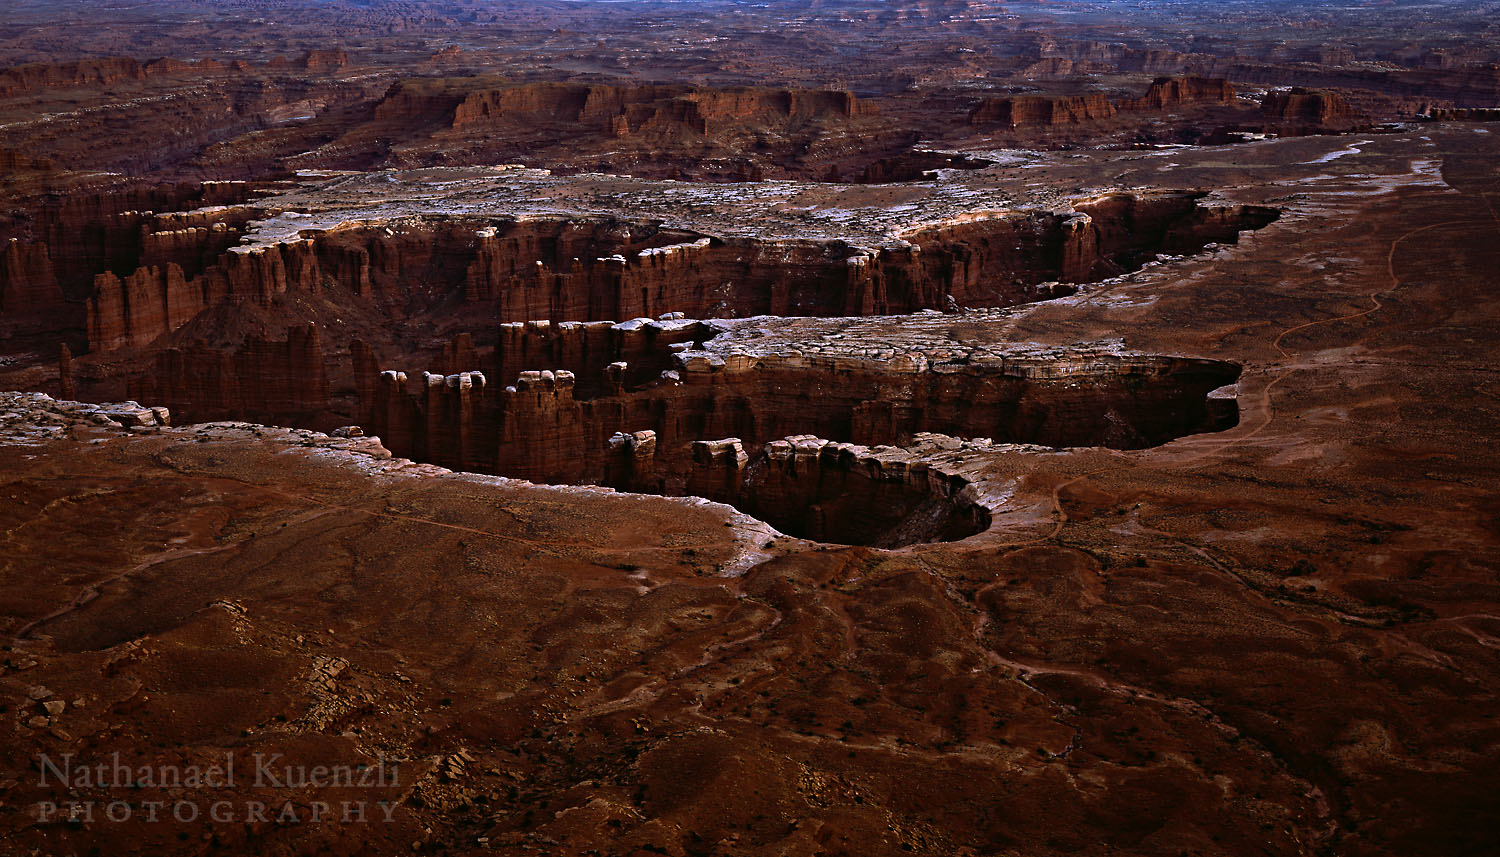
[1463,114]
[1042,111]
[624,110]
[93,72]
[107,71]
[1311,107]
[1018,112]
[409,270]
[592,269]
[1166,93]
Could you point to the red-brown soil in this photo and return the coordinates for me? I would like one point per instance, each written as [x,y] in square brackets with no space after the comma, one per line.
[949,453]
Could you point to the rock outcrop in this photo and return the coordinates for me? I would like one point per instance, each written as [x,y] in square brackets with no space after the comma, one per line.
[28,285]
[631,462]
[1041,111]
[557,425]
[840,492]
[1050,111]
[621,111]
[1298,106]
[1464,114]
[153,302]
[143,306]
[263,380]
[21,79]
[1166,93]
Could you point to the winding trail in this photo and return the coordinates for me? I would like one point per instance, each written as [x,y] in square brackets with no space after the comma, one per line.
[1265,405]
[93,590]
[1264,399]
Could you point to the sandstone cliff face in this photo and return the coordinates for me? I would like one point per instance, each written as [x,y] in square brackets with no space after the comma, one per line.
[570,275]
[550,426]
[840,492]
[624,110]
[1048,111]
[1166,93]
[138,309]
[28,285]
[1464,114]
[1308,107]
[98,72]
[154,301]
[1041,111]
[1063,67]
[88,233]
[596,270]
[33,77]
[263,380]
[324,61]
[474,105]
[47,276]
[12,161]
[1127,230]
[668,130]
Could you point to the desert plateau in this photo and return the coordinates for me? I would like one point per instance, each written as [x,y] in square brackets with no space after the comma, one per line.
[705,428]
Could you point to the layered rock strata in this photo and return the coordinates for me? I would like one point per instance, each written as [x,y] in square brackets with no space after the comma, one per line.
[598,269]
[557,425]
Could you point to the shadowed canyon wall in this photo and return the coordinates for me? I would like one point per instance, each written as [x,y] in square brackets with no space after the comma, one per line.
[213,322]
[589,270]
[714,424]
[550,426]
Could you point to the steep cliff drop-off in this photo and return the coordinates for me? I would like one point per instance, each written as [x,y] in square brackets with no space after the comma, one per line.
[1023,112]
[1039,111]
[985,492]
[69,267]
[205,326]
[676,407]
[1308,108]
[221,344]
[1167,93]
[574,269]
